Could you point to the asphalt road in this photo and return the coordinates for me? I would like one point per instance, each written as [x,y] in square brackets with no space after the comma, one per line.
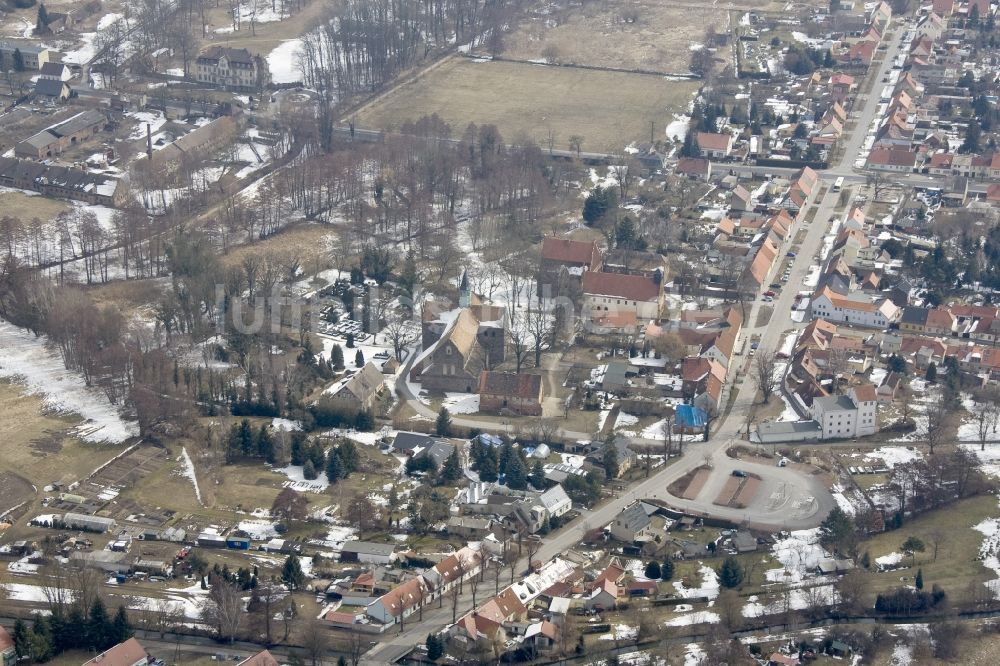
[787,498]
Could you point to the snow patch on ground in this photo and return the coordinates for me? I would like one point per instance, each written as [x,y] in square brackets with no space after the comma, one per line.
[283,62]
[798,553]
[894,455]
[187,471]
[709,585]
[461,403]
[26,359]
[698,617]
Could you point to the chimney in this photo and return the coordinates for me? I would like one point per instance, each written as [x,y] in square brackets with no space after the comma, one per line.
[149,142]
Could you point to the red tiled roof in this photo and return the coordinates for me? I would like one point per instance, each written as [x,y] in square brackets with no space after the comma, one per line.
[569,251]
[124,654]
[509,384]
[630,287]
[713,141]
[865,392]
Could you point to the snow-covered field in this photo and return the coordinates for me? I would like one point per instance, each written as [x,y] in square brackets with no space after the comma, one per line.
[798,553]
[283,62]
[27,360]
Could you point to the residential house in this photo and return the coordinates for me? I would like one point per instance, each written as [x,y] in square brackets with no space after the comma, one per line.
[892,159]
[129,653]
[847,416]
[886,392]
[359,392]
[197,144]
[510,393]
[943,8]
[927,321]
[841,86]
[714,145]
[633,524]
[555,501]
[615,292]
[469,527]
[53,89]
[55,70]
[697,168]
[856,308]
[460,566]
[235,69]
[398,603]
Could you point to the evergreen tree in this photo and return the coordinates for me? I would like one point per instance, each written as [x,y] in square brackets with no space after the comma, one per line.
[517,477]
[334,467]
[919,582]
[442,427]
[435,650]
[42,21]
[931,375]
[121,628]
[348,453]
[291,573]
[408,277]
[341,661]
[42,647]
[309,471]
[19,67]
[452,469]
[337,357]
[350,341]
[265,444]
[667,569]
[99,626]
[538,474]
[359,358]
[690,148]
[244,437]
[298,447]
[730,573]
[653,571]
[488,467]
[21,635]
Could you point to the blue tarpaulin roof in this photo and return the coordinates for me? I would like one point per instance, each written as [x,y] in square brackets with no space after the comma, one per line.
[690,416]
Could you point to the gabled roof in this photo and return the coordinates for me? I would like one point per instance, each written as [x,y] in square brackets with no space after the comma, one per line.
[232,55]
[509,384]
[693,165]
[123,654]
[619,285]
[713,141]
[264,658]
[364,383]
[864,392]
[564,250]
[634,518]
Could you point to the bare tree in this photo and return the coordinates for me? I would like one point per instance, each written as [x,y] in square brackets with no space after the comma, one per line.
[520,338]
[940,419]
[85,583]
[400,333]
[765,374]
[986,414]
[56,587]
[315,640]
[224,608]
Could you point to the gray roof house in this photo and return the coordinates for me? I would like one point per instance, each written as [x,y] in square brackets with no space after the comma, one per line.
[52,88]
[365,551]
[632,524]
[439,451]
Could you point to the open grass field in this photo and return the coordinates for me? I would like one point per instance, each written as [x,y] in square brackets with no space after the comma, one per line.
[608,109]
[36,448]
[23,206]
[957,565]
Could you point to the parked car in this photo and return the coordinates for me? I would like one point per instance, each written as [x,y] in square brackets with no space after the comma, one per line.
[771,293]
[740,473]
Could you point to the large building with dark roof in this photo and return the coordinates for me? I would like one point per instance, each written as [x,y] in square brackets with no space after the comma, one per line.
[237,69]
